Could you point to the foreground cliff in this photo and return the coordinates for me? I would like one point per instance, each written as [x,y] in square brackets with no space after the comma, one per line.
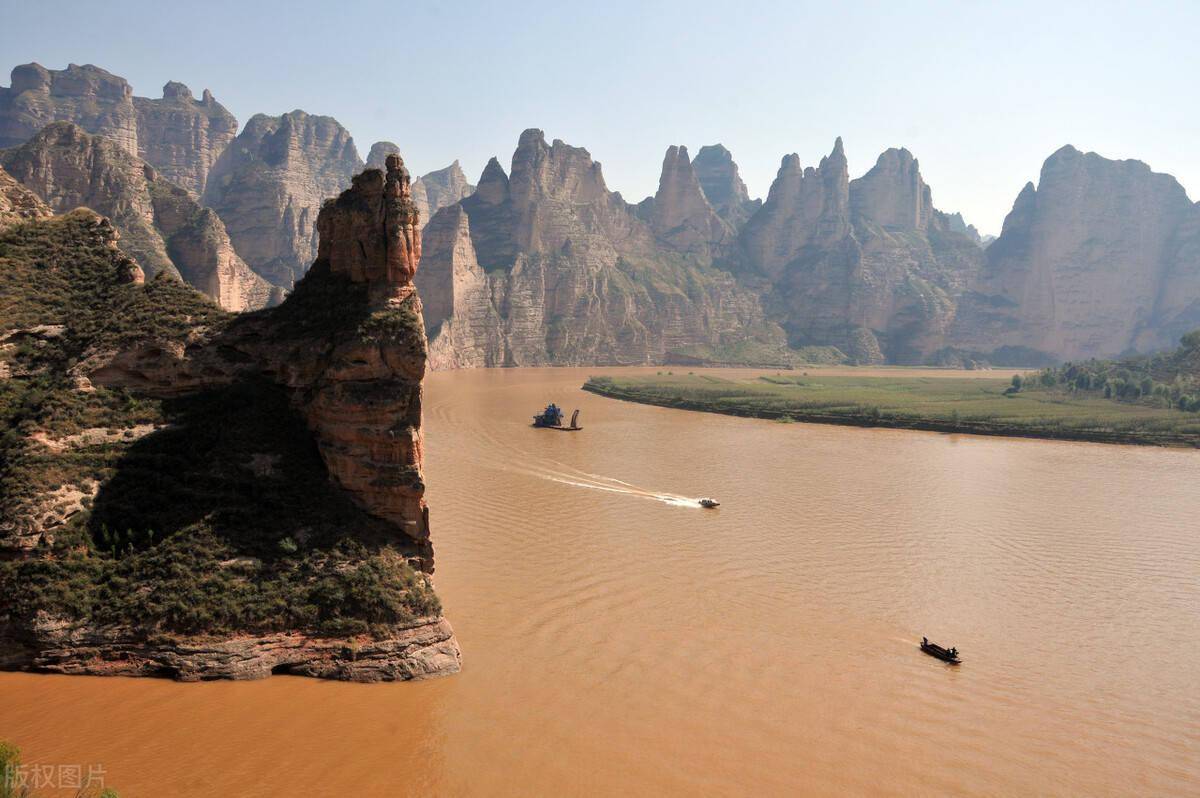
[196,495]
[547,266]
[160,225]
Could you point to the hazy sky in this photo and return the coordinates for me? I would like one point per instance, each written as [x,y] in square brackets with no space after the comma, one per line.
[981,93]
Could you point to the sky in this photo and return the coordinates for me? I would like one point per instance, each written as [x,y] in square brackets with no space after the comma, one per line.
[980,92]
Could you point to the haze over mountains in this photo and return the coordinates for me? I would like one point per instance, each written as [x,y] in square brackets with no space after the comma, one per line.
[544,264]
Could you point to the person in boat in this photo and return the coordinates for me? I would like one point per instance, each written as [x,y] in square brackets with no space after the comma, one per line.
[924,641]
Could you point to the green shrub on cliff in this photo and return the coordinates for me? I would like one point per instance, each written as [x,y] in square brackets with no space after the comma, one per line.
[221,519]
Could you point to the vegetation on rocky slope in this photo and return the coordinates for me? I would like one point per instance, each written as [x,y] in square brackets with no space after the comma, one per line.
[205,513]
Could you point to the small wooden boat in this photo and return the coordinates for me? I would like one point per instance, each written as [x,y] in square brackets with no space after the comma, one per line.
[709,503]
[944,654]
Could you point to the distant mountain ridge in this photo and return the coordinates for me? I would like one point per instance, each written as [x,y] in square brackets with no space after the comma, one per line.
[547,265]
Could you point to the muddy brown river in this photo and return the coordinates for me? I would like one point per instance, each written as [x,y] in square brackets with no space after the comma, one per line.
[618,639]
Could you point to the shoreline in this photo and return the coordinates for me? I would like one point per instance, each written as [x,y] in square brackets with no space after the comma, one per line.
[425,648]
[962,427]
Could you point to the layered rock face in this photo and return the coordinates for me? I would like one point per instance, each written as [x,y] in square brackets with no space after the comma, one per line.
[440,188]
[550,267]
[365,404]
[160,225]
[867,265]
[1101,258]
[178,135]
[892,194]
[430,192]
[268,186]
[723,186]
[92,98]
[182,136]
[344,357]
[19,204]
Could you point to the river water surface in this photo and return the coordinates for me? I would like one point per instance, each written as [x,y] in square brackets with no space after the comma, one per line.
[620,640]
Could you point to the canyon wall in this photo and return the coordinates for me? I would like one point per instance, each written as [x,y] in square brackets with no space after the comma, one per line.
[1102,257]
[866,265]
[160,225]
[177,134]
[268,186]
[547,266]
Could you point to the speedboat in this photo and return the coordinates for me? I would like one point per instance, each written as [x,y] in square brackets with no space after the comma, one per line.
[709,503]
[944,654]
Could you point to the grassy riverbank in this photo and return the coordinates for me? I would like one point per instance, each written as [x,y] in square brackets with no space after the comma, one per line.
[976,405]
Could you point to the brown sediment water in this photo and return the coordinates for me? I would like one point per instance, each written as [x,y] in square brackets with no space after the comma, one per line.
[618,639]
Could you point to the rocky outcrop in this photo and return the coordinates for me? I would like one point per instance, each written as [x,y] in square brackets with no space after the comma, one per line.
[679,213]
[1101,258]
[160,225]
[892,194]
[92,98]
[550,267]
[268,186]
[178,135]
[805,208]
[867,265]
[442,187]
[345,353]
[419,650]
[380,150]
[181,136]
[430,192]
[723,186]
[19,204]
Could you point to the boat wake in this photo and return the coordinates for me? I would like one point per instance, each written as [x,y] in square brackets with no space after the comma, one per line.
[582,479]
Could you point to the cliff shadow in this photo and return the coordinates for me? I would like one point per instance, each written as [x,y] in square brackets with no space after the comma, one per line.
[239,463]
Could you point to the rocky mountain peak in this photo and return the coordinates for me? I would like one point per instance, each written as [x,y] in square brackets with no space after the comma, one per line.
[493,184]
[97,100]
[269,183]
[680,215]
[893,194]
[174,90]
[718,175]
[1088,263]
[371,231]
[380,150]
[559,171]
[804,207]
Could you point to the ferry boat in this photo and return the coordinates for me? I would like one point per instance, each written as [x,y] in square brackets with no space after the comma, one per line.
[552,418]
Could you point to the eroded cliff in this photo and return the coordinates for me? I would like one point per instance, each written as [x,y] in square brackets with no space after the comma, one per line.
[160,225]
[198,495]
[1100,259]
[177,134]
[550,267]
[268,186]
[868,265]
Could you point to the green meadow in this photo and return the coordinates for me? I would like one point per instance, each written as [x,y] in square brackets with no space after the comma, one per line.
[979,405]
